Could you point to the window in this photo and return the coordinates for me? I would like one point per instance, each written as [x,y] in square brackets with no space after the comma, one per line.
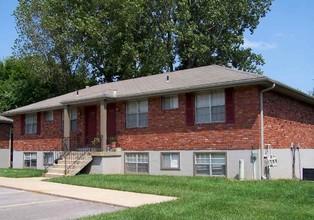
[49,116]
[170,161]
[136,162]
[169,102]
[73,119]
[30,160]
[210,164]
[31,123]
[48,159]
[137,114]
[210,107]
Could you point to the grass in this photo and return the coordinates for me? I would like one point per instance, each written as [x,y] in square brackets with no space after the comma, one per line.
[20,173]
[207,198]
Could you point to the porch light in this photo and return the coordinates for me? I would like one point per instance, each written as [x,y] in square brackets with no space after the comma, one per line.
[114,93]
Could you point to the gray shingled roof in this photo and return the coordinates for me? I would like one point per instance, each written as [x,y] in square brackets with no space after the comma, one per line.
[5,120]
[207,77]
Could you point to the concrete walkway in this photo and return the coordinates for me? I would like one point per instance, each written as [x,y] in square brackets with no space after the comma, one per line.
[113,197]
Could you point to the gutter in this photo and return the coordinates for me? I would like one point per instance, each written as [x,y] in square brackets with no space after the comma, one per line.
[262,129]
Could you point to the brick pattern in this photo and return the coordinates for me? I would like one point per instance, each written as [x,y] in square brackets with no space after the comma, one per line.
[167,129]
[287,121]
[49,138]
[51,133]
[4,135]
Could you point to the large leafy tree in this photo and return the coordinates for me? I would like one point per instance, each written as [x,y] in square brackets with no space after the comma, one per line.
[125,39]
[20,83]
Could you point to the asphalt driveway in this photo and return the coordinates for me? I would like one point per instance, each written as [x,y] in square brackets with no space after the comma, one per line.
[19,204]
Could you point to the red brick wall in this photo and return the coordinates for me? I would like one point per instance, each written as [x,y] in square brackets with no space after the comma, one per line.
[50,136]
[287,121]
[4,135]
[167,129]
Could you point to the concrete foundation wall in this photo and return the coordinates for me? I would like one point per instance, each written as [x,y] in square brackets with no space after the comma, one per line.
[105,165]
[284,168]
[251,169]
[187,162]
[4,158]
[18,159]
[115,164]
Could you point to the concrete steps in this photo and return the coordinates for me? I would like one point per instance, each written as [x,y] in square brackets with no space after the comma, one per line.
[74,161]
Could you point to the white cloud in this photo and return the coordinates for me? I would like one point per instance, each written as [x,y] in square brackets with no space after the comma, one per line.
[259,45]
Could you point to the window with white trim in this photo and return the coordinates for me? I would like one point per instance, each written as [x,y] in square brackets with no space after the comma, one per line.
[31,123]
[73,119]
[212,164]
[48,159]
[170,161]
[210,107]
[30,160]
[136,162]
[169,102]
[49,116]
[137,114]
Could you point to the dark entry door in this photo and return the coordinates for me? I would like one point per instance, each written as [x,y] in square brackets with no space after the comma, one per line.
[91,123]
[111,120]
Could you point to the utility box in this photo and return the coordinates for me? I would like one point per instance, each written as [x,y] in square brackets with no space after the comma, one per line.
[308,174]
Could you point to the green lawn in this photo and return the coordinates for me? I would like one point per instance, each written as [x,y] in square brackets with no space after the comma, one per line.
[207,198]
[20,173]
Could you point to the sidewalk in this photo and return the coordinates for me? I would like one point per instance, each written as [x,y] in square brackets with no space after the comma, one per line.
[113,197]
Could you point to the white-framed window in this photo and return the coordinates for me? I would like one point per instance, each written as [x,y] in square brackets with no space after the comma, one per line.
[210,107]
[31,123]
[48,158]
[30,160]
[136,162]
[170,161]
[49,116]
[169,102]
[73,119]
[137,114]
[212,164]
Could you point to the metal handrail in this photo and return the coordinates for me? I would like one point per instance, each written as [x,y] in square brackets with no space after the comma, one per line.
[76,147]
[57,155]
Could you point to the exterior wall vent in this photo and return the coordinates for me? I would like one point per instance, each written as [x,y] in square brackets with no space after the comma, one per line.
[308,174]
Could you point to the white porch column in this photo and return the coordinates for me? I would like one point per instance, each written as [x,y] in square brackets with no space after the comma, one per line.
[103,124]
[66,127]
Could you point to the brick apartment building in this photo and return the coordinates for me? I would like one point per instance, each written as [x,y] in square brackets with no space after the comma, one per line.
[5,141]
[201,121]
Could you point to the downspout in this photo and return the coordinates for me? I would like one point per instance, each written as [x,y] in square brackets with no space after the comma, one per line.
[262,128]
[10,146]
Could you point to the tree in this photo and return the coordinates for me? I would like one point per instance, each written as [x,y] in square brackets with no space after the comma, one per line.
[109,40]
[21,85]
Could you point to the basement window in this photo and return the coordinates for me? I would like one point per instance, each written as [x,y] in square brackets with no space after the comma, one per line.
[170,161]
[136,162]
[30,160]
[210,164]
[48,159]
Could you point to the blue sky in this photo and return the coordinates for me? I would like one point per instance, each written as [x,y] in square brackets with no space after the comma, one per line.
[285,38]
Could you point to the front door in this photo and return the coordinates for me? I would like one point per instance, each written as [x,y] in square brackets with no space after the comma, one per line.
[91,124]
[111,121]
